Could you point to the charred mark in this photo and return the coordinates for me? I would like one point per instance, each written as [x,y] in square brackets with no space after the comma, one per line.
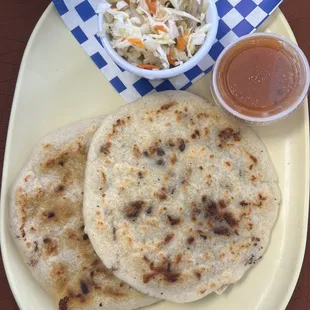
[149,210]
[165,270]
[160,162]
[173,220]
[59,188]
[167,106]
[198,275]
[50,214]
[160,152]
[114,233]
[231,221]
[63,303]
[134,209]
[168,238]
[105,148]
[190,240]
[223,231]
[84,287]
[182,145]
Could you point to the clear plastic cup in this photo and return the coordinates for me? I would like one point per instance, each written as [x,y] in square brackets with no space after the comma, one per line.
[246,78]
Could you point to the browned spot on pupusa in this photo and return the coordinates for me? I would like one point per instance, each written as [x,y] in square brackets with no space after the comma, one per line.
[50,247]
[168,238]
[195,134]
[162,194]
[59,273]
[224,231]
[46,146]
[173,158]
[166,106]
[103,177]
[112,291]
[152,149]
[63,303]
[134,209]
[197,274]
[170,142]
[173,220]
[202,115]
[73,237]
[204,237]
[33,262]
[105,148]
[50,214]
[165,270]
[178,115]
[228,135]
[27,178]
[222,223]
[253,178]
[261,200]
[243,203]
[178,258]
[182,145]
[36,248]
[60,188]
[149,210]
[222,204]
[229,218]
[227,163]
[160,152]
[190,240]
[118,124]
[253,158]
[160,162]
[62,211]
[136,151]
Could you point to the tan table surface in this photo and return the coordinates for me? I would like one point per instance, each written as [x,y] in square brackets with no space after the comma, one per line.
[17,20]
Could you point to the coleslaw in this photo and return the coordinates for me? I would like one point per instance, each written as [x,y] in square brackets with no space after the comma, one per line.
[155,34]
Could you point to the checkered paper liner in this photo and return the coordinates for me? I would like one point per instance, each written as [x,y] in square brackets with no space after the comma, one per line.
[236,19]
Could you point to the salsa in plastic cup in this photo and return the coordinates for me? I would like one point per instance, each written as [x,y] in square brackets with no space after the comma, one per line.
[260,79]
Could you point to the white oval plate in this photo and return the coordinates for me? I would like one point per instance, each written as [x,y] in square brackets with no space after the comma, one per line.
[59,84]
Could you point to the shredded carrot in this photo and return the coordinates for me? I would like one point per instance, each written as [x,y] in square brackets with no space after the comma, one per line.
[123,39]
[160,28]
[170,57]
[181,43]
[149,67]
[152,6]
[136,42]
[171,60]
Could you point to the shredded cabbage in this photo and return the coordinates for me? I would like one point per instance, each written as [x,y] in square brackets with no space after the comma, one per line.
[159,34]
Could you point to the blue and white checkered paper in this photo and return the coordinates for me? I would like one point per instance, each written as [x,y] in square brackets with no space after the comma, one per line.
[236,19]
